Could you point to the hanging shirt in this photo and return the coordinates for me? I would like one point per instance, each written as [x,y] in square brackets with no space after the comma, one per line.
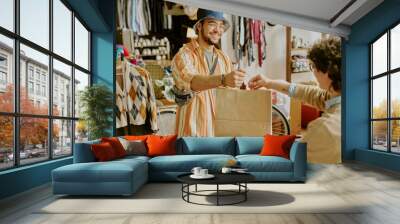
[196,118]
[135,96]
[323,135]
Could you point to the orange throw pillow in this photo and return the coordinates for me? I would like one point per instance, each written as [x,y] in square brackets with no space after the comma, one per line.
[103,152]
[161,145]
[136,137]
[116,145]
[277,145]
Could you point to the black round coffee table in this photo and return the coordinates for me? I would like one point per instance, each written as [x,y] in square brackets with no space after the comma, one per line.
[238,179]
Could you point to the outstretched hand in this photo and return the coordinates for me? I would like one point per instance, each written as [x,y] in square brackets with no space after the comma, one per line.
[235,78]
[258,81]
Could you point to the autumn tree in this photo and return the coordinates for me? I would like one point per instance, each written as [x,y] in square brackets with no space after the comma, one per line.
[380,127]
[32,130]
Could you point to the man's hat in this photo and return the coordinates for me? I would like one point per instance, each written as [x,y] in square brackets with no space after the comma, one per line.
[203,14]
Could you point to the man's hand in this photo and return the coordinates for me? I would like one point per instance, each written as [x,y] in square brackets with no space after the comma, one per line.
[259,81]
[235,78]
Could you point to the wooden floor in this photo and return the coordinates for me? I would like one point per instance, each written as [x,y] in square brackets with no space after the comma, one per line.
[378,188]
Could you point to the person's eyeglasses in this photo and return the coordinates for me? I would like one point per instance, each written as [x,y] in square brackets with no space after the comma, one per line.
[214,25]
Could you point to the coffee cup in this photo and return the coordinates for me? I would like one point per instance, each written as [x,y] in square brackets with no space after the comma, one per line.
[196,171]
[226,170]
[203,172]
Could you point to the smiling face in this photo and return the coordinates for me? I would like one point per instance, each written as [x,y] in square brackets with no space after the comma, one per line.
[211,30]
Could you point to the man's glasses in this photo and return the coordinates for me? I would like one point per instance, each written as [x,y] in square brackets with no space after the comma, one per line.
[214,25]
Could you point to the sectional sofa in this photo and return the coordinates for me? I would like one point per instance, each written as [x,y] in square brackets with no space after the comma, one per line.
[125,176]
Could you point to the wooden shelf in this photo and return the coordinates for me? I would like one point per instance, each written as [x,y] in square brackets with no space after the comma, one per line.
[153,55]
[150,46]
[300,49]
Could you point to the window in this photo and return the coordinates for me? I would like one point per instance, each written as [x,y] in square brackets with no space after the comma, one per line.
[30,72]
[62,29]
[37,74]
[81,45]
[35,22]
[81,81]
[43,77]
[385,94]
[41,83]
[63,75]
[6,143]
[3,71]
[43,90]
[7,14]
[62,140]
[30,87]
[38,89]
[3,61]
[7,73]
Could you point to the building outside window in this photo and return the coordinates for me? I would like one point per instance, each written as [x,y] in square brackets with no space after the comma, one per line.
[385,94]
[34,72]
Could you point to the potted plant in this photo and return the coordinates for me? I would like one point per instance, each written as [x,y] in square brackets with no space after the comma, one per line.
[96,103]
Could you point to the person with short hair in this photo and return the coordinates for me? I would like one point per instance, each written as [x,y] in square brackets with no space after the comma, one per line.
[323,135]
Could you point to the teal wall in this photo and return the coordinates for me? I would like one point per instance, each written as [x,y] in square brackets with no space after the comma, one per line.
[24,178]
[103,63]
[355,113]
[98,15]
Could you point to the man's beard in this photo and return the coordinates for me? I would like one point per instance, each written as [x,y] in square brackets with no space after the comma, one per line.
[207,39]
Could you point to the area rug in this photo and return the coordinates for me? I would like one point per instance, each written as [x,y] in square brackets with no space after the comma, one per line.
[167,198]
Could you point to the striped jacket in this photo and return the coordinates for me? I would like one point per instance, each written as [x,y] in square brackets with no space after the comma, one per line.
[196,118]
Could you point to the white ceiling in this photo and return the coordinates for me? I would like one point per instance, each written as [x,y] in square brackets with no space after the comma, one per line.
[314,15]
[321,9]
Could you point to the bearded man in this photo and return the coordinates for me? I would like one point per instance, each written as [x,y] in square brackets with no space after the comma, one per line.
[198,68]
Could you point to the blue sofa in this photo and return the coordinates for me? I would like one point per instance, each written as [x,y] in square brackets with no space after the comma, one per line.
[125,176]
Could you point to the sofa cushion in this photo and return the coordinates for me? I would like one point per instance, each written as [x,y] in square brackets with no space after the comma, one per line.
[131,158]
[112,171]
[277,145]
[257,163]
[103,152]
[249,145]
[134,147]
[161,145]
[206,145]
[116,145]
[136,137]
[185,163]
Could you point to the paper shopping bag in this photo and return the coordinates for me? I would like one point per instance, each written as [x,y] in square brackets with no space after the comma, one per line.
[243,112]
